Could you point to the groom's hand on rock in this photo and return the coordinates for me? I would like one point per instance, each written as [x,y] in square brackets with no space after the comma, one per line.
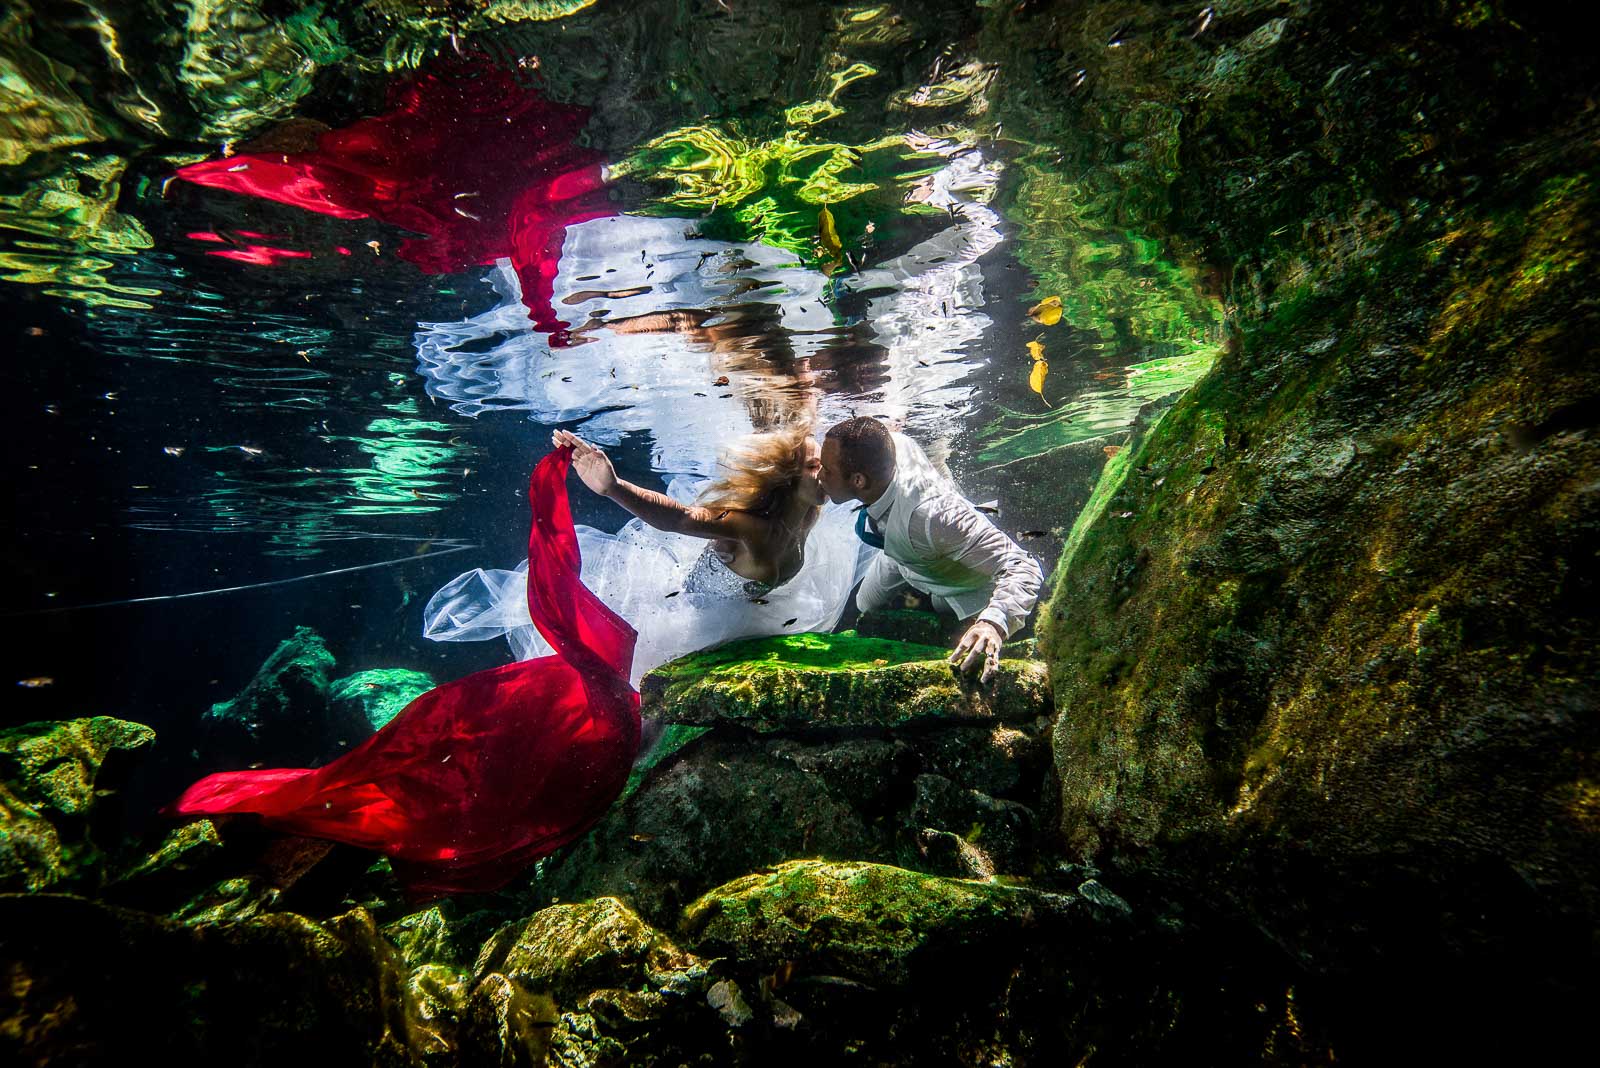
[979,647]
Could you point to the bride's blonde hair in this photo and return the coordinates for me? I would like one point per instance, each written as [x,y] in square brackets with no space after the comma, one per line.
[760,472]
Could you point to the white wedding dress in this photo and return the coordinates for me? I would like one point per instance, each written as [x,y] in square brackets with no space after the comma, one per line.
[672,588]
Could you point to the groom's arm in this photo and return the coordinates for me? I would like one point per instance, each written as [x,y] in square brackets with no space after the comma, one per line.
[953,529]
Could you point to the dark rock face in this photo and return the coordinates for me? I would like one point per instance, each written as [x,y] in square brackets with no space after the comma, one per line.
[1325,641]
[284,716]
[259,992]
[955,800]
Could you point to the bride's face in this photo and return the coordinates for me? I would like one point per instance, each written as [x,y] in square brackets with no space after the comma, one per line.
[811,466]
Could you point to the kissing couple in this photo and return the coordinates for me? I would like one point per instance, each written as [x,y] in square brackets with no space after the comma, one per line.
[480,776]
[758,551]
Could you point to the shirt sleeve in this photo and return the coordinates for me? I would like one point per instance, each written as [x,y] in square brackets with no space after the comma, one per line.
[949,527]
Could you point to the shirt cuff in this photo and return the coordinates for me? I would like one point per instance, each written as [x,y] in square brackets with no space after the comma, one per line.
[998,618]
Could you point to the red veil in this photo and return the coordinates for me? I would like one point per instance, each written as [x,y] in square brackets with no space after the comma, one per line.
[478,777]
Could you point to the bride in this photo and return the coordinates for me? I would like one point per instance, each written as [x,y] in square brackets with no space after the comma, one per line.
[780,560]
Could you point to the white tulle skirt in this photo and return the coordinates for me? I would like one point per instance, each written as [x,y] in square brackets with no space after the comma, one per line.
[639,573]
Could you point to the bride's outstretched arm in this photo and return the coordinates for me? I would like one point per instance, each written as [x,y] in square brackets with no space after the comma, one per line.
[657,509]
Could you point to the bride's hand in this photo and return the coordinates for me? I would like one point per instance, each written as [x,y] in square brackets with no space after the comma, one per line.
[592,465]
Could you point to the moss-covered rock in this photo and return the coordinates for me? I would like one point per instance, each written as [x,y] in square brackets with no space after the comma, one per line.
[175,863]
[835,680]
[1324,643]
[872,923]
[730,803]
[57,785]
[88,981]
[568,950]
[376,696]
[283,717]
[436,1000]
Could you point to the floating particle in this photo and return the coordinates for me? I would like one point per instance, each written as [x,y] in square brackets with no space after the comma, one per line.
[376,248]
[1033,534]
[722,380]
[790,621]
[38,682]
[674,593]
[1111,450]
[173,450]
[642,836]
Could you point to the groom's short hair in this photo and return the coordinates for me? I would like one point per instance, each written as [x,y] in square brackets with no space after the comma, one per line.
[864,446]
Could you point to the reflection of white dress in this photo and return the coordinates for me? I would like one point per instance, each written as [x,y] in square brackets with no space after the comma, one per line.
[673,589]
[928,317]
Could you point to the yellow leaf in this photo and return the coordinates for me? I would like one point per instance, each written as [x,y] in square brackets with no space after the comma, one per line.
[1036,349]
[1036,379]
[1047,311]
[828,235]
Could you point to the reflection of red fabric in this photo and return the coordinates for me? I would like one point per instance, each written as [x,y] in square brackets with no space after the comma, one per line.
[478,777]
[480,165]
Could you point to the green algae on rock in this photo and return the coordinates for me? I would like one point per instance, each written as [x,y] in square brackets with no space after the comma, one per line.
[52,777]
[732,803]
[569,949]
[283,715]
[872,923]
[1324,641]
[378,695]
[836,680]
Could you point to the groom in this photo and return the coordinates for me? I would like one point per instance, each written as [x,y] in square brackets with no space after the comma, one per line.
[932,538]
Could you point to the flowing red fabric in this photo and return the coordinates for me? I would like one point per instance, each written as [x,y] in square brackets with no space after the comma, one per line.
[480,164]
[478,777]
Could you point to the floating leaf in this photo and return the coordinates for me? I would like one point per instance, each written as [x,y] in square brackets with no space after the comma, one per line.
[1111,450]
[1047,312]
[828,235]
[1036,349]
[1036,379]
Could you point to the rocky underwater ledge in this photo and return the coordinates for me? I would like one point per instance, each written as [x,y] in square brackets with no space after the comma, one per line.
[699,922]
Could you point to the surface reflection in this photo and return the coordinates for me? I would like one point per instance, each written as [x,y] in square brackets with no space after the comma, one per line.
[697,341]
[468,156]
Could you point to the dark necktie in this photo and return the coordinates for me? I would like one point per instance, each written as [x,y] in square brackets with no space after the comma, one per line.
[867,530]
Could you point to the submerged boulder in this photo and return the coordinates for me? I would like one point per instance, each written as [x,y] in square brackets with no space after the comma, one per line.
[869,923]
[58,782]
[806,681]
[1323,643]
[730,803]
[376,696]
[284,717]
[90,981]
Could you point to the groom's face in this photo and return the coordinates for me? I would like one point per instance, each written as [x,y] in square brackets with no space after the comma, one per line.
[832,476]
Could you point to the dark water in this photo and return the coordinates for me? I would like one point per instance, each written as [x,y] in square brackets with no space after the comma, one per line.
[294,297]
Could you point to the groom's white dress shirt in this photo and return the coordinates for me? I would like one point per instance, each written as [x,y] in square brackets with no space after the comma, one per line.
[936,541]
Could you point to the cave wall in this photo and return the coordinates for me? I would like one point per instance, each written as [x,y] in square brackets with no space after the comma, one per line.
[1323,644]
